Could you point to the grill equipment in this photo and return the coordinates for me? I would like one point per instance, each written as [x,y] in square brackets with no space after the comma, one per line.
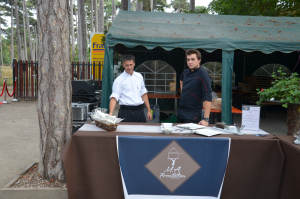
[86,96]
[86,91]
[79,112]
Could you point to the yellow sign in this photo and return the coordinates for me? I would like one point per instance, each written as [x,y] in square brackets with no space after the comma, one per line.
[97,52]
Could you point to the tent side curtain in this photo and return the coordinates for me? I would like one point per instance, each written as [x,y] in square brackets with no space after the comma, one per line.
[227,68]
[107,77]
[208,32]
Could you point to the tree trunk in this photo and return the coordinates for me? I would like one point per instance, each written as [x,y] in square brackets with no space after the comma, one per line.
[72,28]
[24,29]
[79,44]
[192,5]
[18,28]
[54,94]
[21,56]
[96,17]
[133,5]
[77,34]
[1,48]
[12,52]
[36,46]
[82,29]
[101,16]
[139,6]
[151,5]
[28,30]
[146,5]
[33,51]
[124,4]
[92,15]
[1,52]
[86,31]
[113,10]
[293,118]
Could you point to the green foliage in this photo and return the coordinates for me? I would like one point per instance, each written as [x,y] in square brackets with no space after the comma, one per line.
[198,10]
[160,5]
[6,51]
[5,11]
[7,42]
[108,9]
[288,8]
[103,38]
[183,5]
[242,7]
[258,7]
[285,89]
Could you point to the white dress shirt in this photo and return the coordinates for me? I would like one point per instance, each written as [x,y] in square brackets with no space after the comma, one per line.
[128,89]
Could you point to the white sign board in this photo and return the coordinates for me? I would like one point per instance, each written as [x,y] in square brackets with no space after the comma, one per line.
[250,117]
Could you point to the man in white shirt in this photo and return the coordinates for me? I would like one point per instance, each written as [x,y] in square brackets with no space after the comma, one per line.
[129,89]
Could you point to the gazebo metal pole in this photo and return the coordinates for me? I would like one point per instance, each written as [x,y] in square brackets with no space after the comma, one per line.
[227,68]
[244,68]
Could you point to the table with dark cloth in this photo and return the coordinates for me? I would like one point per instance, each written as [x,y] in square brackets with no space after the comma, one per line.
[290,181]
[92,168]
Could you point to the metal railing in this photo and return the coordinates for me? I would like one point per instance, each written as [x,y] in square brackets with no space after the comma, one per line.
[26,74]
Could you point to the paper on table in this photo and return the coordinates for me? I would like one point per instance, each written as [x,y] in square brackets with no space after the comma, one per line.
[131,128]
[90,127]
[191,126]
[157,129]
[250,117]
[207,132]
[145,129]
[248,132]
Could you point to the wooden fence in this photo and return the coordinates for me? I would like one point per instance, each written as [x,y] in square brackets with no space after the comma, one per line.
[26,75]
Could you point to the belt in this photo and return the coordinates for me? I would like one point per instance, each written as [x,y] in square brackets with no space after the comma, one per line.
[132,107]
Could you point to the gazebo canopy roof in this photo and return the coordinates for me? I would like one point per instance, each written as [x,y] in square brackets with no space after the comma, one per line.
[202,31]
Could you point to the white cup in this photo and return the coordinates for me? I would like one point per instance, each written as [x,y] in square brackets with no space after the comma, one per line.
[166,132]
[167,126]
[232,129]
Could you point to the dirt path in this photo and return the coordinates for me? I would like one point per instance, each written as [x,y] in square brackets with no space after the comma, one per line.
[19,137]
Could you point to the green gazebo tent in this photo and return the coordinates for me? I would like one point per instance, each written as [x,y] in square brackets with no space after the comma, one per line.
[200,31]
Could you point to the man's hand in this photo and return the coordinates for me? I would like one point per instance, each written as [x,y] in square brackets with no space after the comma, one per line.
[146,101]
[203,123]
[149,116]
[110,114]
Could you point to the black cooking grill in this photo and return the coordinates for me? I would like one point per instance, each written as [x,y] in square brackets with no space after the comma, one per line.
[86,91]
[86,96]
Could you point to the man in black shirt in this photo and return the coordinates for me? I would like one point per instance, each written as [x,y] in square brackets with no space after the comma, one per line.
[195,85]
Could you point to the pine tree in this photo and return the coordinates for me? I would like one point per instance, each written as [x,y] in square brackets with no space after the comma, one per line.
[29,32]
[18,29]
[55,90]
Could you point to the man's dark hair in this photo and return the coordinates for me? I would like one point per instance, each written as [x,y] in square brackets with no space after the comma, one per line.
[194,51]
[128,57]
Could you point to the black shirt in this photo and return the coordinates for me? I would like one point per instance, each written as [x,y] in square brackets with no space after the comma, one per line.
[196,88]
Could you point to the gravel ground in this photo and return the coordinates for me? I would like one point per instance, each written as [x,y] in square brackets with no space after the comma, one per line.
[32,179]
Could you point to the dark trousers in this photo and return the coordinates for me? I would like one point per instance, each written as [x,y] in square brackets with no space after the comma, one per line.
[186,121]
[132,113]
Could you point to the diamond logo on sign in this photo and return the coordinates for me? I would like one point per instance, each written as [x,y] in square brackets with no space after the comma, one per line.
[173,166]
[246,108]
